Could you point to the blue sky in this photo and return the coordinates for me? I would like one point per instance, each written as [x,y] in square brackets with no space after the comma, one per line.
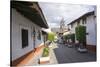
[54,12]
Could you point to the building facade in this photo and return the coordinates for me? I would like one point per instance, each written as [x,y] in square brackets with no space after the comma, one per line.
[88,20]
[27,20]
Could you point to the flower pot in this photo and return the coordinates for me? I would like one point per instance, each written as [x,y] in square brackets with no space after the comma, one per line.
[82,49]
[44,60]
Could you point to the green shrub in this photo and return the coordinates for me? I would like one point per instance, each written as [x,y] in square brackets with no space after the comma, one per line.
[45,52]
[51,36]
[65,37]
[70,36]
[80,33]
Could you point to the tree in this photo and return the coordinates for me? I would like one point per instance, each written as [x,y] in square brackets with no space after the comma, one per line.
[81,34]
[72,37]
[51,36]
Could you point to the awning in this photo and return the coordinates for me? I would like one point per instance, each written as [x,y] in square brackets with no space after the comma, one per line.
[66,33]
[30,13]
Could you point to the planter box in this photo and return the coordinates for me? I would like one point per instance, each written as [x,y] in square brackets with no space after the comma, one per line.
[82,49]
[44,60]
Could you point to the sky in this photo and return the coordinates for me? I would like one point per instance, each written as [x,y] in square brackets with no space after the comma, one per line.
[54,12]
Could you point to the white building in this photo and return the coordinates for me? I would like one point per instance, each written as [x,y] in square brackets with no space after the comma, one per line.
[88,20]
[27,20]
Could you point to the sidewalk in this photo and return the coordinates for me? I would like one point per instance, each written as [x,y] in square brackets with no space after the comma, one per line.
[52,54]
[34,60]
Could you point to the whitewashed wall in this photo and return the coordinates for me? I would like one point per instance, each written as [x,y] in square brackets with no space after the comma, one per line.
[73,28]
[91,29]
[37,41]
[19,22]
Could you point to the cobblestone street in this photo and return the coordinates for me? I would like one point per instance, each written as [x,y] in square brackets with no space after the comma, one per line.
[71,55]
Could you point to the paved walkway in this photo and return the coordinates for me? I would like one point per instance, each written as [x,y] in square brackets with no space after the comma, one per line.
[35,58]
[71,55]
[53,59]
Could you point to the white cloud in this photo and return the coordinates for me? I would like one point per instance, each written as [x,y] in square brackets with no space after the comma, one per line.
[55,11]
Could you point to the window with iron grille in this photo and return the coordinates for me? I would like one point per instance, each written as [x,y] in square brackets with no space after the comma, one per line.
[24,38]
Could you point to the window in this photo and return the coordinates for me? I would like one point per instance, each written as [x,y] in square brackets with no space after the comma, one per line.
[84,21]
[72,25]
[24,38]
[39,35]
[78,22]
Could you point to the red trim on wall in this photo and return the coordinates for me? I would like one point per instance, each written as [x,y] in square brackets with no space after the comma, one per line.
[25,58]
[91,48]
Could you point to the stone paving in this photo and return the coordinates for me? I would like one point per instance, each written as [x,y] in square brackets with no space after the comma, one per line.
[35,59]
[53,59]
[71,55]
[52,54]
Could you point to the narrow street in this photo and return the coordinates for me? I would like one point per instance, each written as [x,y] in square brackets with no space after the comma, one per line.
[39,30]
[60,53]
[71,55]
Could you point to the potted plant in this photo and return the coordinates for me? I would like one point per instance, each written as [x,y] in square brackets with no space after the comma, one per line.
[45,59]
[81,37]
